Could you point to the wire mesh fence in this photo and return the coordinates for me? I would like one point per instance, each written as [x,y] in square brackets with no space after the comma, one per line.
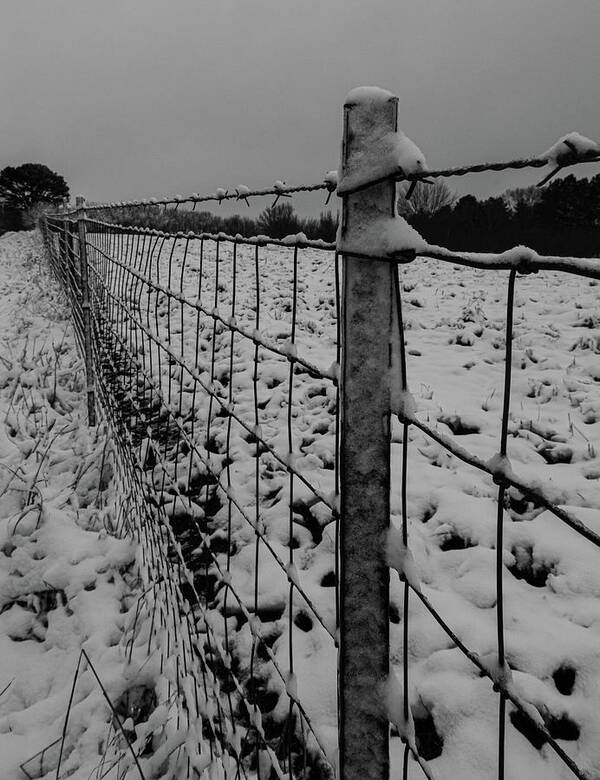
[217,361]
[215,364]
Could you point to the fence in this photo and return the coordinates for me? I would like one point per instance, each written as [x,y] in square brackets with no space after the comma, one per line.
[207,364]
[217,361]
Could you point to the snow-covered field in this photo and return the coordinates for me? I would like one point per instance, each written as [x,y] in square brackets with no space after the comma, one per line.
[66,582]
[455,341]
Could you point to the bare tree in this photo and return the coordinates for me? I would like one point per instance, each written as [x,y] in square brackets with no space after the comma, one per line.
[521,196]
[425,198]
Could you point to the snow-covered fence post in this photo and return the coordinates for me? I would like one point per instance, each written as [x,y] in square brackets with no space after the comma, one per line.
[367,317]
[85,310]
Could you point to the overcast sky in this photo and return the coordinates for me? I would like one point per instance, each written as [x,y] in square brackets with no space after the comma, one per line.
[139,98]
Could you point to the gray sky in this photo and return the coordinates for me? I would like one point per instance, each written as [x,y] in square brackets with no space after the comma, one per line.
[139,98]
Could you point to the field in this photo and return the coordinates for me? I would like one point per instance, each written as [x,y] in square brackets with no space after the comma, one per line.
[273,425]
[66,582]
[456,356]
[455,320]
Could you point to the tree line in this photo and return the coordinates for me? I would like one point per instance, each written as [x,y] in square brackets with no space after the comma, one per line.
[562,218]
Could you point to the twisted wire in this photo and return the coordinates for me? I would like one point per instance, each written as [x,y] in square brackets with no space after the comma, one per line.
[214,197]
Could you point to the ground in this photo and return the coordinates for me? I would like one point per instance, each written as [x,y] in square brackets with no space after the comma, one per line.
[66,582]
[59,554]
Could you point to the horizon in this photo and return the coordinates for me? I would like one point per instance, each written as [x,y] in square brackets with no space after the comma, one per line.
[183,99]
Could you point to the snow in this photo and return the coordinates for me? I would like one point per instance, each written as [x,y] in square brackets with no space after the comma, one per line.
[294,239]
[501,469]
[389,155]
[399,557]
[331,179]
[571,148]
[456,385]
[381,154]
[402,402]
[501,674]
[550,576]
[521,258]
[374,229]
[455,353]
[383,236]
[368,96]
[394,699]
[64,582]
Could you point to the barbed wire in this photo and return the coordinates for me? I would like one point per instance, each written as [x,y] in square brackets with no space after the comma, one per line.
[463,170]
[239,193]
[279,189]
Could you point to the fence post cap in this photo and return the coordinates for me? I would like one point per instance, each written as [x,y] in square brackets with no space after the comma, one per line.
[372,95]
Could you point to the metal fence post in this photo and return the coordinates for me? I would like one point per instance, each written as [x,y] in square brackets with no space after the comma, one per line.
[85,308]
[69,256]
[367,317]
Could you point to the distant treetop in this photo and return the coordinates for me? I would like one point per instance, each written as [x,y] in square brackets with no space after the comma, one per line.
[27,185]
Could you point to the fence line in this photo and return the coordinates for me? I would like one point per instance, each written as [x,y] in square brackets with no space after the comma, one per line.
[242,431]
[143,287]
